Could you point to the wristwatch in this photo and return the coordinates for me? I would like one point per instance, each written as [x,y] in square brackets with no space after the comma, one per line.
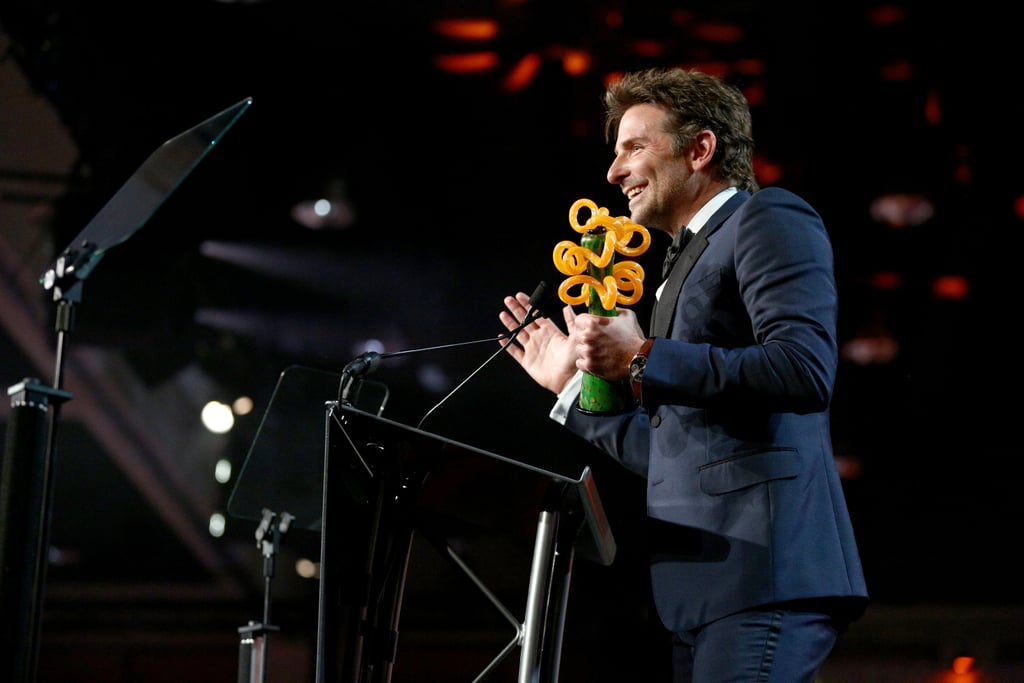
[637,365]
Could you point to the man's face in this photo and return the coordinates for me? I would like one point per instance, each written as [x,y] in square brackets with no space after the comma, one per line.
[655,181]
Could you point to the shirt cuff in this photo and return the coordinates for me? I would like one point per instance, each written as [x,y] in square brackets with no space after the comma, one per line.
[567,398]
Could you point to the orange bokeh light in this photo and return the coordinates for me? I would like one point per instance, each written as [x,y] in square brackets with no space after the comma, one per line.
[1018,207]
[952,287]
[767,172]
[718,32]
[649,48]
[467,29]
[467,63]
[576,62]
[962,665]
[886,280]
[613,19]
[933,108]
[522,73]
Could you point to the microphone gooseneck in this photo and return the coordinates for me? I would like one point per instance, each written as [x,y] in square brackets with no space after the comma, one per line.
[369,361]
[533,312]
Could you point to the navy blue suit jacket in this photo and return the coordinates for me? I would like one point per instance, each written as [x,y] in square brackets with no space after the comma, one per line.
[733,438]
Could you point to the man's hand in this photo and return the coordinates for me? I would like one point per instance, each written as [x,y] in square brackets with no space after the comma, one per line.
[606,344]
[546,353]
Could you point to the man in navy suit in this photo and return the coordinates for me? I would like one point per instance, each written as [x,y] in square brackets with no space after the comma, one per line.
[754,565]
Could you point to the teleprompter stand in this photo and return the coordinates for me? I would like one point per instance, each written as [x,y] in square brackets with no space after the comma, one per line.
[28,467]
[377,480]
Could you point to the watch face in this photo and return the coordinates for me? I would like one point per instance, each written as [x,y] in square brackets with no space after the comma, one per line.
[636,369]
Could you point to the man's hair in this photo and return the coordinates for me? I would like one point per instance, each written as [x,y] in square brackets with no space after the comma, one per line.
[694,101]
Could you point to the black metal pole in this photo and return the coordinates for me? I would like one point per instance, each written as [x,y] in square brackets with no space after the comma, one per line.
[255,637]
[26,493]
[26,484]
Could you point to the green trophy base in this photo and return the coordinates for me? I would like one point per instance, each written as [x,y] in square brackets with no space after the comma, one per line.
[598,396]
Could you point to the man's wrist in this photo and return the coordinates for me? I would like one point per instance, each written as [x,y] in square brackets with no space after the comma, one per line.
[566,399]
[637,367]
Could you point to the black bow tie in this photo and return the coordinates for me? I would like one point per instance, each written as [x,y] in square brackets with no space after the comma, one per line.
[679,243]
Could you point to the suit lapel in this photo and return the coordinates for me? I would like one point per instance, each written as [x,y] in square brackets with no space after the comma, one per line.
[664,309]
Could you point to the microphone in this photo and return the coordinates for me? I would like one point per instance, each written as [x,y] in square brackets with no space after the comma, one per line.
[540,292]
[363,365]
[369,361]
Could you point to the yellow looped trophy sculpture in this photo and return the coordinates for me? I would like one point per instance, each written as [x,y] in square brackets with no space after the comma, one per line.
[601,284]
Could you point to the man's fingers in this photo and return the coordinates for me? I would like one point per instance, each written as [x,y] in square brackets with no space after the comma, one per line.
[517,305]
[569,315]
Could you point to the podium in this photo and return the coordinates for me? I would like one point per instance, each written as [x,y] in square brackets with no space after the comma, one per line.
[342,467]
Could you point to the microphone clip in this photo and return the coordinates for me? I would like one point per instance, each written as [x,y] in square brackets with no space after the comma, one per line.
[362,365]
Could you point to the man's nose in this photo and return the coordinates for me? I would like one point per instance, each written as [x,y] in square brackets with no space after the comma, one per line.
[615,173]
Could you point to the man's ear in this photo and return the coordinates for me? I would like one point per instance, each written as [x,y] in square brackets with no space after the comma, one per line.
[702,150]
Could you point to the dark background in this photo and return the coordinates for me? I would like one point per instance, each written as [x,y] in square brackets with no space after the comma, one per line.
[460,188]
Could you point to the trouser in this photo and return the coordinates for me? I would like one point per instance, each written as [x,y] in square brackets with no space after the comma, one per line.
[774,644]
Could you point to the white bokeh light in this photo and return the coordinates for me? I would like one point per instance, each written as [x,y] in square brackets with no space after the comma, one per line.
[218,524]
[222,471]
[217,417]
